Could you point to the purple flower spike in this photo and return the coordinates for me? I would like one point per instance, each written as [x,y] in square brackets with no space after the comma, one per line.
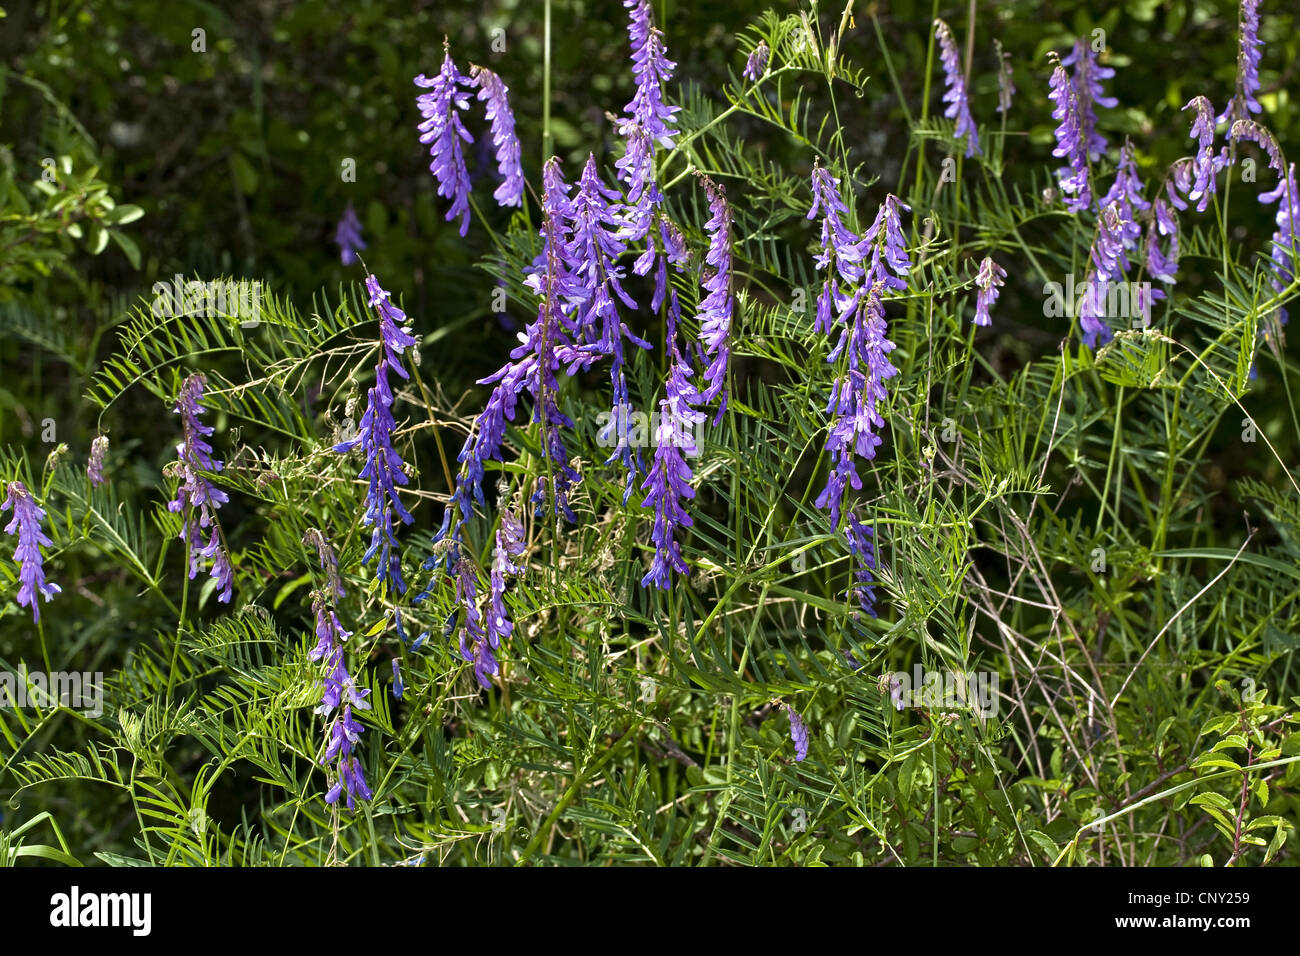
[648,117]
[348,236]
[1243,102]
[384,467]
[1006,79]
[494,93]
[1088,74]
[840,247]
[651,68]
[1206,164]
[1282,257]
[1126,194]
[955,95]
[1250,130]
[443,131]
[95,464]
[717,306]
[877,263]
[1162,266]
[798,734]
[475,646]
[197,497]
[26,523]
[669,479]
[862,547]
[1071,141]
[509,546]
[756,64]
[988,281]
[339,693]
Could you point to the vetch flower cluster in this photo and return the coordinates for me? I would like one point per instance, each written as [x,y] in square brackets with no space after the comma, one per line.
[444,132]
[862,549]
[592,281]
[26,524]
[718,305]
[509,547]
[1086,81]
[494,93]
[669,480]
[1206,164]
[1243,102]
[955,94]
[988,280]
[197,497]
[858,393]
[756,62]
[342,694]
[348,236]
[798,734]
[1282,254]
[1162,266]
[648,117]
[1071,140]
[95,463]
[384,469]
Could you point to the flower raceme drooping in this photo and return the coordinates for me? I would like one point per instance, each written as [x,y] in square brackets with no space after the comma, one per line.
[1207,163]
[988,280]
[798,734]
[1127,191]
[718,305]
[1283,248]
[348,236]
[859,392]
[475,646]
[645,127]
[95,463]
[340,693]
[1243,102]
[756,63]
[1107,265]
[862,549]
[495,94]
[197,498]
[594,276]
[1071,140]
[955,94]
[26,524]
[1162,266]
[546,342]
[669,480]
[384,467]
[443,131]
[648,116]
[1088,74]
[509,546]
[840,248]
[1262,137]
